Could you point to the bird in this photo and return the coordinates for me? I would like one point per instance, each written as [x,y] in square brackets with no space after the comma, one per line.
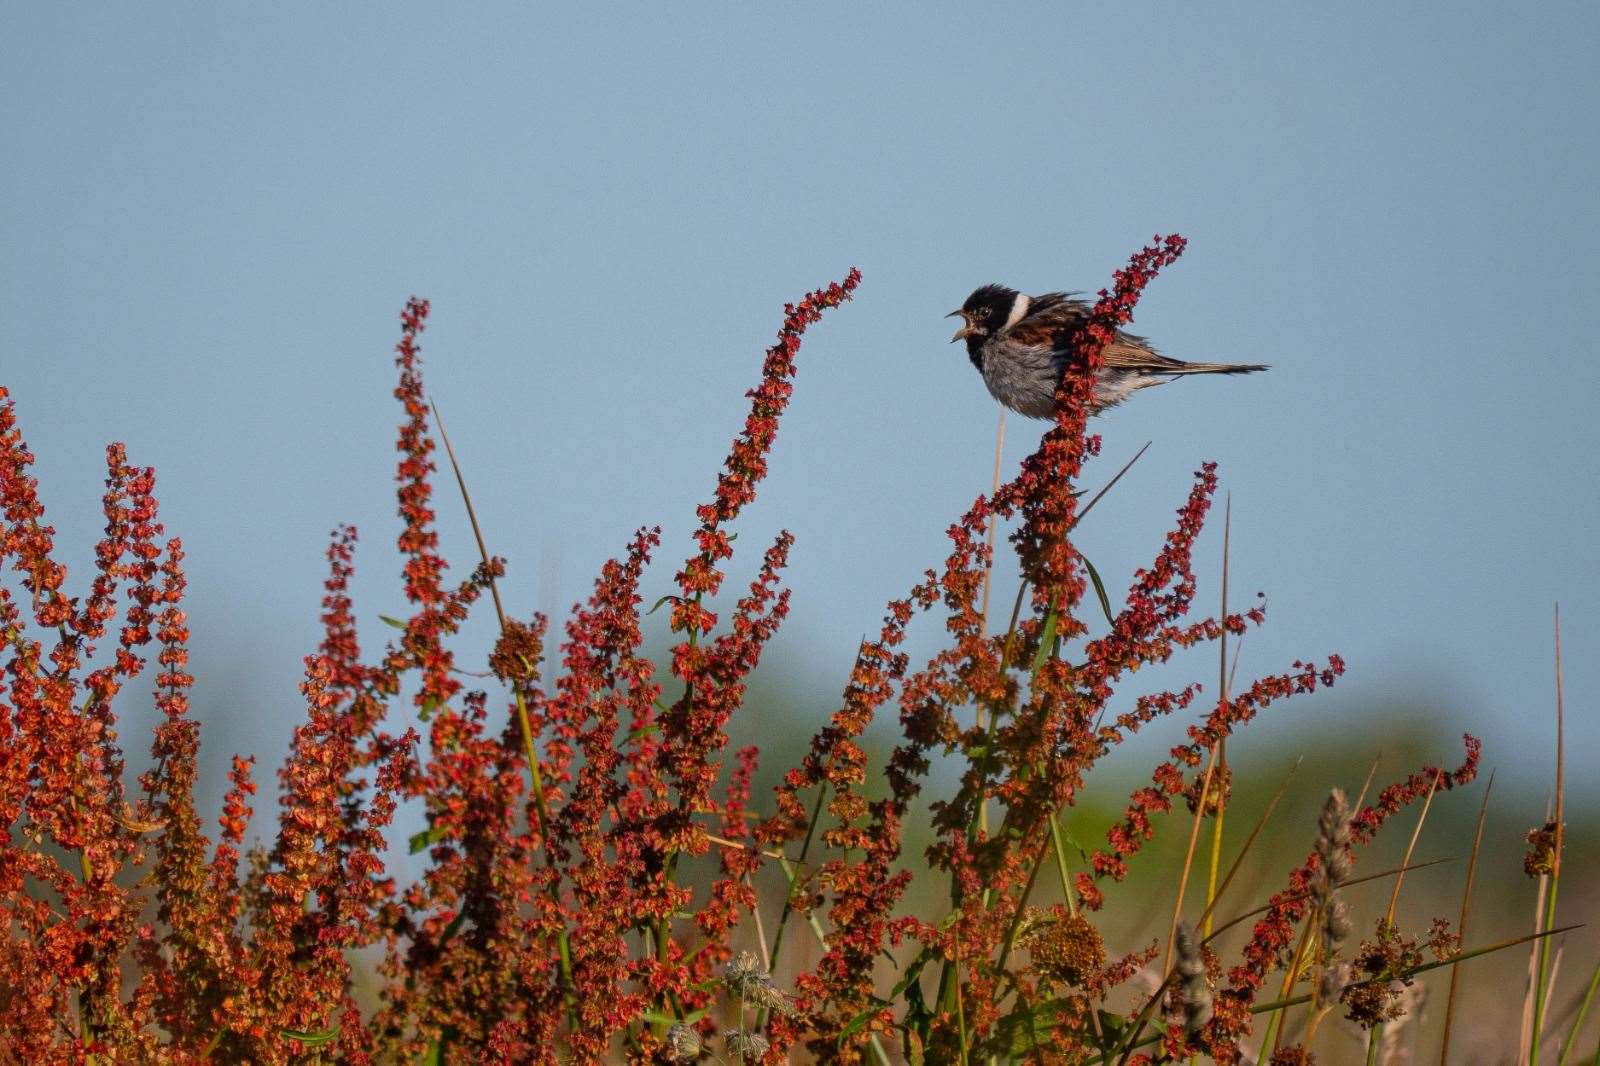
[1023,344]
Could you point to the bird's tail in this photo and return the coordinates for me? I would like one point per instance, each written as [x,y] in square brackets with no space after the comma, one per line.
[1212,368]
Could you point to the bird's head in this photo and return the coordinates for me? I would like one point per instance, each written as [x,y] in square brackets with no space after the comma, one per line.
[987,311]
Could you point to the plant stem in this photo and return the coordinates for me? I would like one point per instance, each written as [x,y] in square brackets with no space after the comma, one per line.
[1461,924]
[792,873]
[1583,1013]
[1188,860]
[1204,796]
[1216,851]
[988,585]
[1237,918]
[1058,846]
[983,778]
[1222,751]
[961,1012]
[1275,1024]
[1016,919]
[1416,833]
[524,723]
[1539,988]
[1535,1040]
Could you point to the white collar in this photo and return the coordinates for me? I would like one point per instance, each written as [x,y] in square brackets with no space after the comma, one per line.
[1019,308]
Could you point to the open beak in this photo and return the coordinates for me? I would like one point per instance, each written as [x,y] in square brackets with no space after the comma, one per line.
[966,326]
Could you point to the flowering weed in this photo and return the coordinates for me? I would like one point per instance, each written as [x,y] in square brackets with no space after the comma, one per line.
[598,864]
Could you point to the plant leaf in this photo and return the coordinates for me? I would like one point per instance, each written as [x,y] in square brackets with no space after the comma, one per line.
[1047,640]
[427,838]
[668,1019]
[453,928]
[859,1022]
[913,972]
[311,1037]
[913,1048]
[664,599]
[1099,589]
[1022,1031]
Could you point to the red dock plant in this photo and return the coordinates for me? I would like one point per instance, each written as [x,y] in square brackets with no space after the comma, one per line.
[570,909]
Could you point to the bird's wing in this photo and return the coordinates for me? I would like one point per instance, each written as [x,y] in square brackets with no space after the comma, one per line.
[1057,303]
[1127,352]
[1051,321]
[1056,317]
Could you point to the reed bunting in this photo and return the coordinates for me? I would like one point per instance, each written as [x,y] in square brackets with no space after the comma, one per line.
[1023,344]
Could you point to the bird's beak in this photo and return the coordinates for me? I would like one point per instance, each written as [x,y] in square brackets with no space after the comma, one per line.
[966,326]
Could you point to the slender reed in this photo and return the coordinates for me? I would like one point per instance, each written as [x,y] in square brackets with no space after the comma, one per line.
[1541,985]
[1461,923]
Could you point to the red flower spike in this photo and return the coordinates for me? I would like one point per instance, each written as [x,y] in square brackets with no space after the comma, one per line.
[574,922]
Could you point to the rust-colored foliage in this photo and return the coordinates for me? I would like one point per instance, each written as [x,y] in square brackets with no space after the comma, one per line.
[582,919]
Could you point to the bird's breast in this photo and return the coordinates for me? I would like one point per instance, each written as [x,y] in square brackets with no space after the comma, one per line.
[1022,379]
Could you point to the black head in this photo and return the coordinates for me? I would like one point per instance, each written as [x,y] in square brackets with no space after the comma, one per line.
[983,315]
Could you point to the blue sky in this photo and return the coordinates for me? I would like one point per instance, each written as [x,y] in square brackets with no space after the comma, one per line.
[213,212]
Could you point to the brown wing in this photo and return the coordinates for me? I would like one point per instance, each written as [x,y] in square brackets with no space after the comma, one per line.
[1128,352]
[1051,321]
[1054,318]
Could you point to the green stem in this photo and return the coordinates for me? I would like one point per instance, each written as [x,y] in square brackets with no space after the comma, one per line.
[1583,1013]
[791,874]
[1274,1032]
[1268,1035]
[811,918]
[1216,853]
[563,946]
[663,926]
[879,1055]
[961,1011]
[788,899]
[1539,989]
[946,986]
[987,764]
[1016,919]
[524,722]
[1059,847]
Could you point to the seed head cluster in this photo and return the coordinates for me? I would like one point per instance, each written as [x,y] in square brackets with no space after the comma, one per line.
[1383,963]
[1066,948]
